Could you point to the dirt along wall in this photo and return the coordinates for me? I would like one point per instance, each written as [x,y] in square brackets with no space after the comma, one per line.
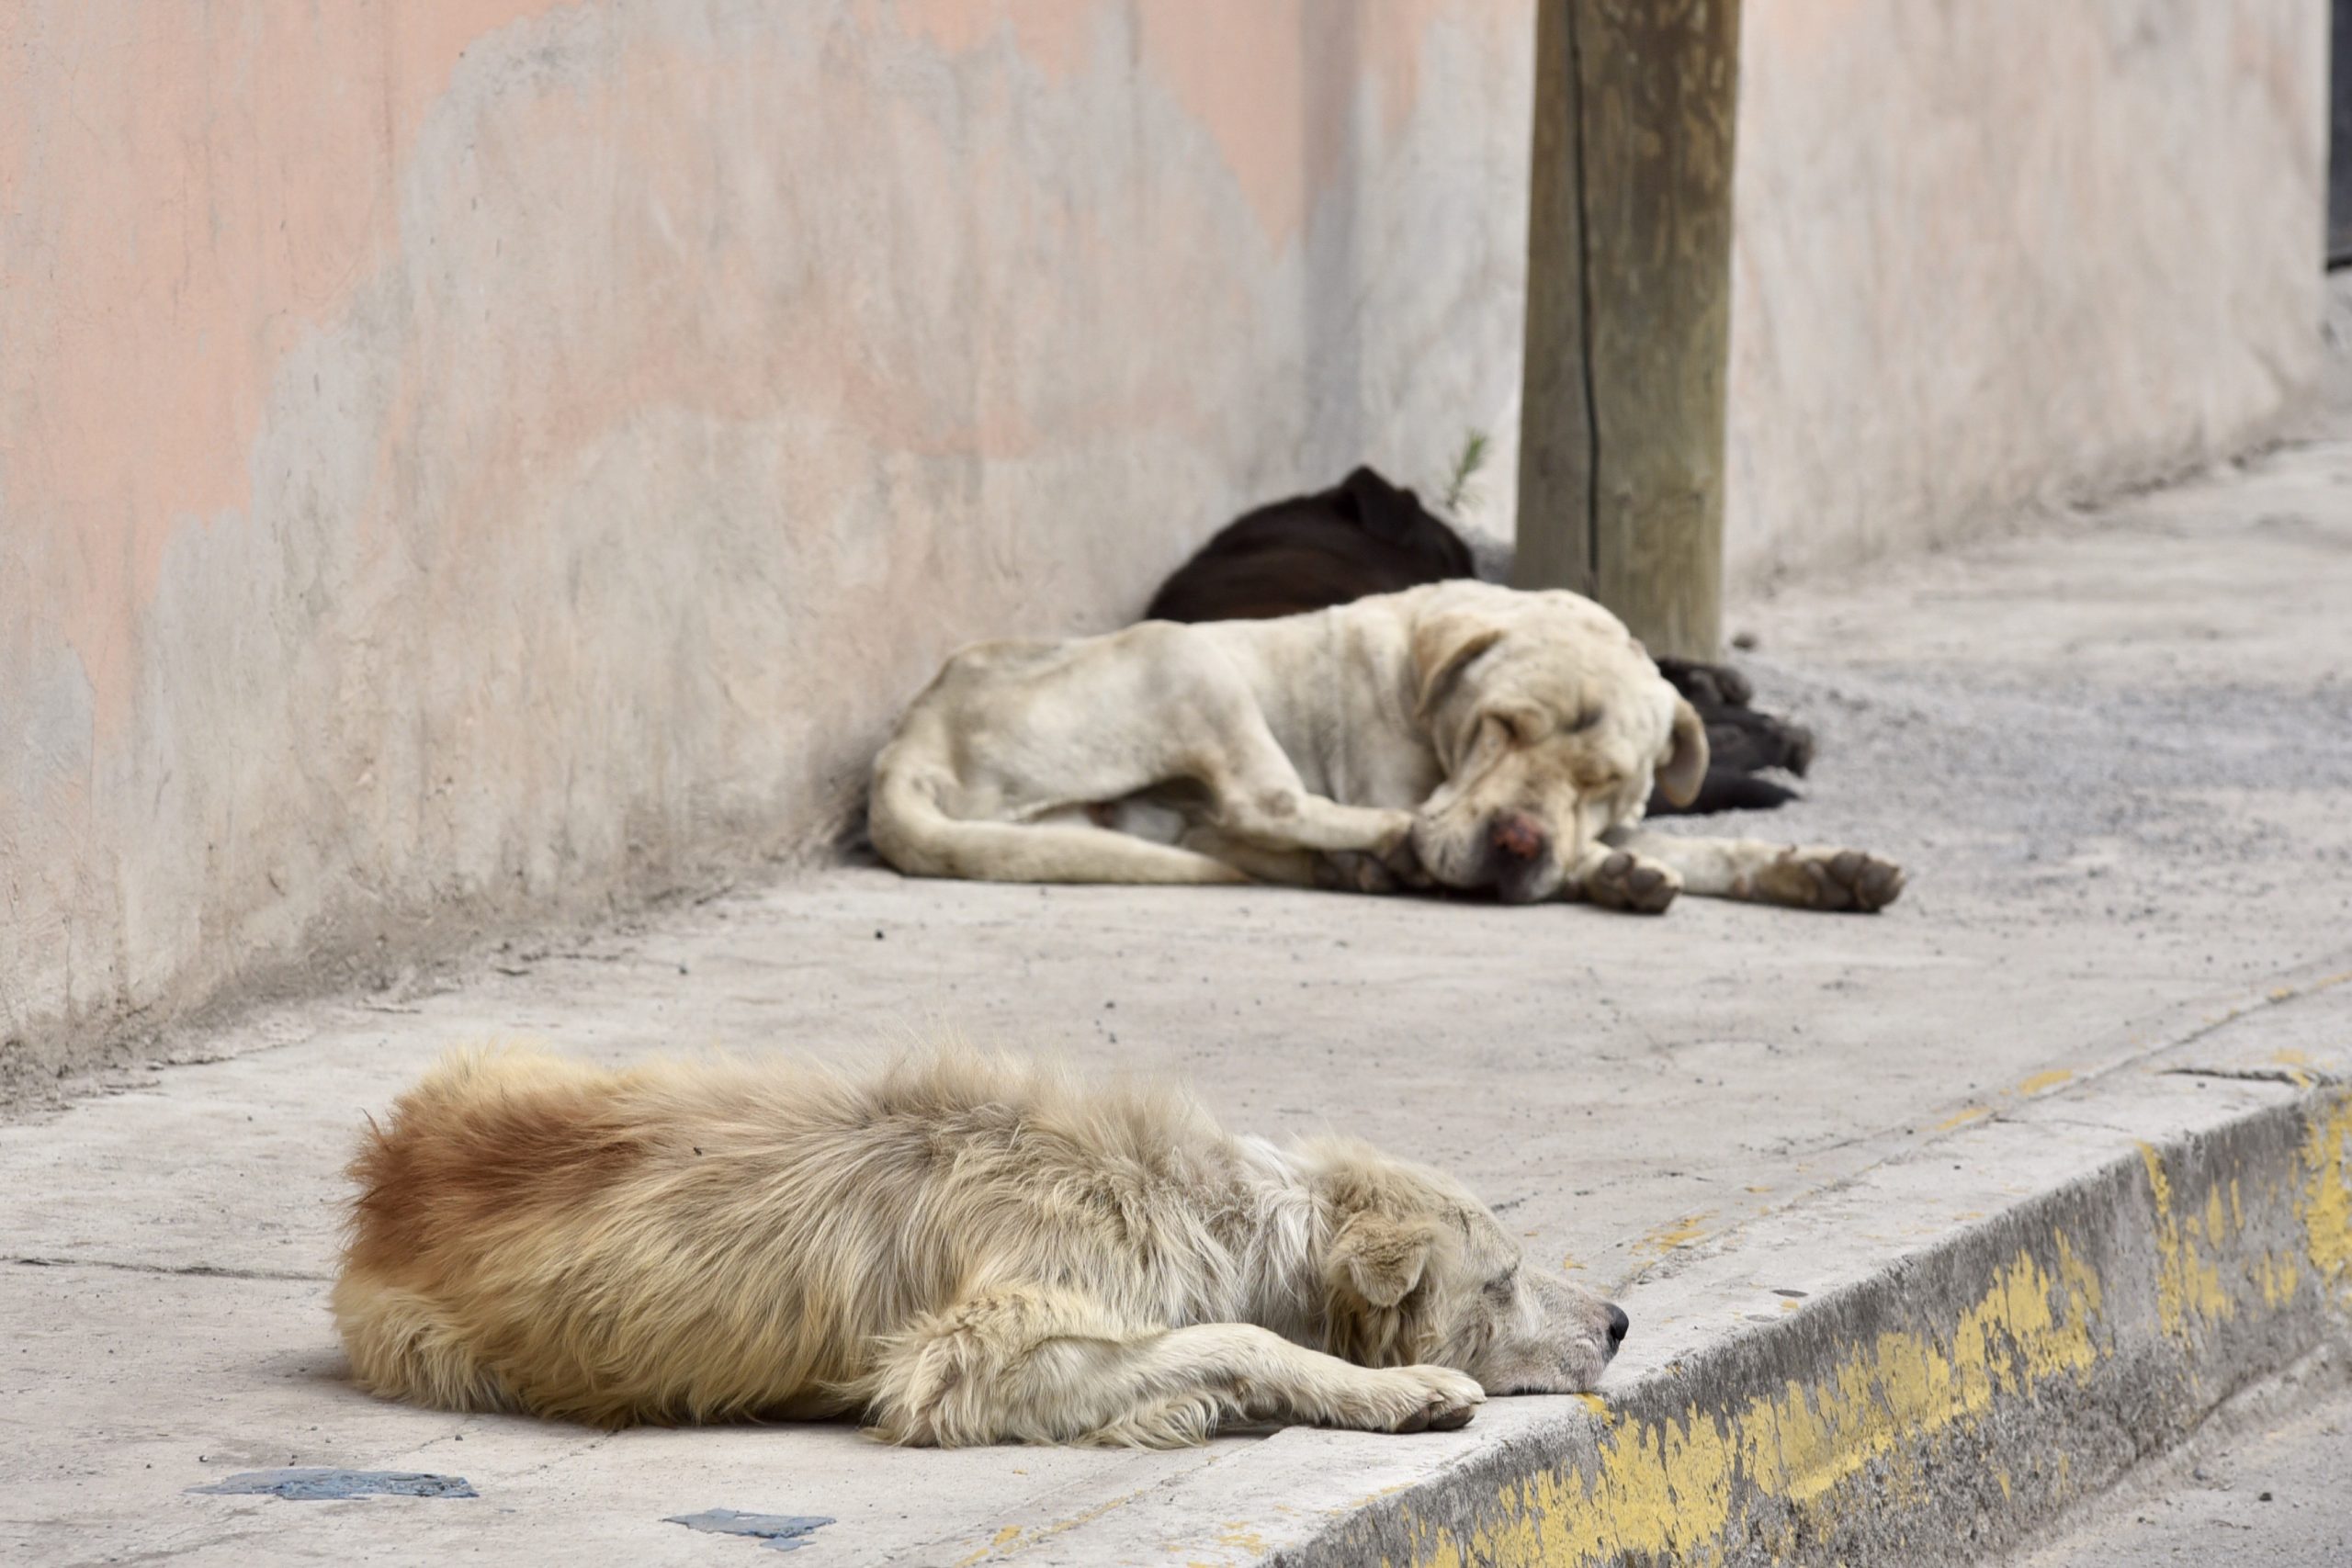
[469,459]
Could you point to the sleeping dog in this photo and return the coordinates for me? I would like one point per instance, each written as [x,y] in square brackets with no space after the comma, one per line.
[1366,535]
[962,1250]
[1460,735]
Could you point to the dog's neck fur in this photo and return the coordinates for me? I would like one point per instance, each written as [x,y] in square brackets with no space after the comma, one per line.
[1275,1243]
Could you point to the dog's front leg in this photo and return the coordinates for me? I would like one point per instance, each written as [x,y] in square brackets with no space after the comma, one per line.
[1045,1366]
[1625,879]
[1183,1384]
[1803,877]
[1354,871]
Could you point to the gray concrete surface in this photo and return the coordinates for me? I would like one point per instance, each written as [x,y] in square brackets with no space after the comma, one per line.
[2115,754]
[2278,1496]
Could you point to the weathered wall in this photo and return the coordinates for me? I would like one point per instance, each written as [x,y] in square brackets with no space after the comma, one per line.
[487,455]
[1995,250]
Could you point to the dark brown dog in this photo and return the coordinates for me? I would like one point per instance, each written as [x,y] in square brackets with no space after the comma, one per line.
[1369,536]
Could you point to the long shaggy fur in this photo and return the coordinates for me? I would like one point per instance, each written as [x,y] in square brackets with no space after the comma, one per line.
[961,1249]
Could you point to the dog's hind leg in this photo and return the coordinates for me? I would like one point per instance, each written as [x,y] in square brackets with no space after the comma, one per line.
[403,1346]
[1803,877]
[1255,793]
[916,836]
[1043,1366]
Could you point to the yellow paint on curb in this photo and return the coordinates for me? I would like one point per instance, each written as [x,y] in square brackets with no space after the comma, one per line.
[1665,1489]
[1004,1538]
[2041,1081]
[2187,1283]
[1674,1234]
[1973,1113]
[2325,1207]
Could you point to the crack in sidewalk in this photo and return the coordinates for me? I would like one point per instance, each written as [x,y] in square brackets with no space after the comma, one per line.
[196,1270]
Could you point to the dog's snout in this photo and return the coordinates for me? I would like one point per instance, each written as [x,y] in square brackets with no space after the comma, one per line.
[1618,1324]
[1518,835]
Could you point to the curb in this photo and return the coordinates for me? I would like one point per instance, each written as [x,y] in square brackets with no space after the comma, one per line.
[1941,1409]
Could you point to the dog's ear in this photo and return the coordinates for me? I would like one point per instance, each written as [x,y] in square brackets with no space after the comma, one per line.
[1686,766]
[1379,1257]
[1381,509]
[1443,646]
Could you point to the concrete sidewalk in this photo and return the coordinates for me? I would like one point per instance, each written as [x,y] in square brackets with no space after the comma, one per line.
[1910,1212]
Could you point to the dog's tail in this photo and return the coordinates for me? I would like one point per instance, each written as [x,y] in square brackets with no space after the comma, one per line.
[911,832]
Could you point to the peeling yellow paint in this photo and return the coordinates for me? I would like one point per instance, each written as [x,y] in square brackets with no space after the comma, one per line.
[2277,1276]
[1666,1489]
[1673,1234]
[1012,1534]
[2325,1206]
[1004,1538]
[1961,1119]
[2189,1286]
[1595,1403]
[2050,1080]
[1238,1536]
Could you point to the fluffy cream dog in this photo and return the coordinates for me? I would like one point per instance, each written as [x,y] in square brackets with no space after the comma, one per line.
[963,1250]
[1457,733]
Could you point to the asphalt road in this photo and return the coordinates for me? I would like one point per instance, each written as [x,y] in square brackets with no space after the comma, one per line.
[2280,1498]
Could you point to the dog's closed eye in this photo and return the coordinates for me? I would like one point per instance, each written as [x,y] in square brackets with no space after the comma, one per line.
[1501,1286]
[1522,725]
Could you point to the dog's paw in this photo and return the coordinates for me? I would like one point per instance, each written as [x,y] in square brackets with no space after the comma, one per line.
[1352,871]
[1424,1399]
[1384,869]
[1833,880]
[1623,880]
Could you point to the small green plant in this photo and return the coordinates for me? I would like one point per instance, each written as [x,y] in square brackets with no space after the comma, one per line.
[1461,483]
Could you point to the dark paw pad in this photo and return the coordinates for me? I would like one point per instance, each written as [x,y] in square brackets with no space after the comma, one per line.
[1845,880]
[1623,881]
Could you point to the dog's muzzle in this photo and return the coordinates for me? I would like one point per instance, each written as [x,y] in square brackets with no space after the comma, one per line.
[1519,856]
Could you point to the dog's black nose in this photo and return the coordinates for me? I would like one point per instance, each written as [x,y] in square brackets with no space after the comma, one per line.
[1618,1324]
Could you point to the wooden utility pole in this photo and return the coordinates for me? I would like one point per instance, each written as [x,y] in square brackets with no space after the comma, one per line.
[1621,480]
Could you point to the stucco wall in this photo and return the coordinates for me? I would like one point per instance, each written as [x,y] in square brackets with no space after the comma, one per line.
[472,457]
[1989,252]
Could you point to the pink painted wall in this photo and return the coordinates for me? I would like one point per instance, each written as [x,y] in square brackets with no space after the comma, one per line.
[468,457]
[1996,254]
